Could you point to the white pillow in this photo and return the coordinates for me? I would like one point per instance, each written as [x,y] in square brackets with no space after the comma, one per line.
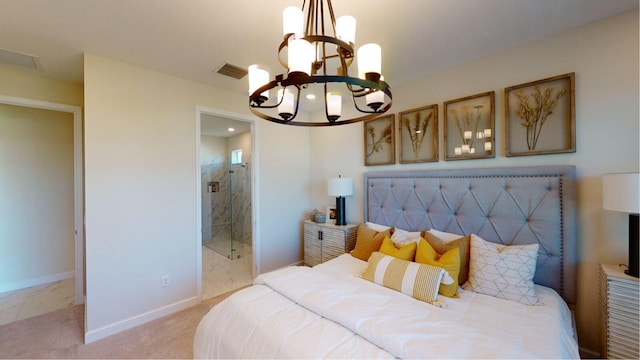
[402,237]
[376,227]
[505,272]
[445,236]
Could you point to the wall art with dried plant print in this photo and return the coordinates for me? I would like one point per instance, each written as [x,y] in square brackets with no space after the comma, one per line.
[419,135]
[540,117]
[469,127]
[379,141]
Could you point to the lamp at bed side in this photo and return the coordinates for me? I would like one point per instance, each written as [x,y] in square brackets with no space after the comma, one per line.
[340,187]
[620,193]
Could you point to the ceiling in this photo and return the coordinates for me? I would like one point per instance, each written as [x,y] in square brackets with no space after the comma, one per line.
[192,39]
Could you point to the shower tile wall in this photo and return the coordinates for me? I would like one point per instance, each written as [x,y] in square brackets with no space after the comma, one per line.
[216,208]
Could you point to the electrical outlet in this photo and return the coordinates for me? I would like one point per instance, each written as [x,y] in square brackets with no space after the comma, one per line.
[165,281]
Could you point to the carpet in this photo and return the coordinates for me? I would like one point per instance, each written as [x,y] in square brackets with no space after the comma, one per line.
[60,334]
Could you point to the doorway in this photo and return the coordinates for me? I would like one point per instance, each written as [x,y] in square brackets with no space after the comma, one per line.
[42,171]
[226,195]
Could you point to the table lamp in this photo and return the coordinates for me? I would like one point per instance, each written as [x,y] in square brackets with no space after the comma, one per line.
[620,193]
[340,187]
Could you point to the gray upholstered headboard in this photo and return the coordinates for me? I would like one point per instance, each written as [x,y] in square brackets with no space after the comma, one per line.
[510,206]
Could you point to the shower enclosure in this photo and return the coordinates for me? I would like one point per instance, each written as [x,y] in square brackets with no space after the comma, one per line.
[226,208]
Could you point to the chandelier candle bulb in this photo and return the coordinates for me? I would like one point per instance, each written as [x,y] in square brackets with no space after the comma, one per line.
[465,149]
[467,135]
[457,150]
[472,150]
[334,105]
[258,76]
[293,21]
[346,29]
[487,146]
[301,54]
[487,133]
[285,109]
[480,135]
[370,61]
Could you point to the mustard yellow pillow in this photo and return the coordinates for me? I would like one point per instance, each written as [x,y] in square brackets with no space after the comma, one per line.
[450,261]
[368,241]
[442,246]
[406,252]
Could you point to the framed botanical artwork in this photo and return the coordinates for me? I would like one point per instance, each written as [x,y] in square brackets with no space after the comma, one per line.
[379,141]
[419,135]
[469,127]
[540,117]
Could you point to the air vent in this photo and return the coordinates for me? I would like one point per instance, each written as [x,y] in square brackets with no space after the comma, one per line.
[28,61]
[233,71]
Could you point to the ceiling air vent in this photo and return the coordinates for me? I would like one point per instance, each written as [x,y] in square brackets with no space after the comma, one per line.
[233,71]
[24,60]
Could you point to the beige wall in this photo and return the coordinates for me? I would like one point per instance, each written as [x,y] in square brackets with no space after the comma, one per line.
[140,176]
[212,148]
[31,85]
[36,188]
[604,57]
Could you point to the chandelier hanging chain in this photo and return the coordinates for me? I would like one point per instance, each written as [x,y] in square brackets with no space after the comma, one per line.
[308,64]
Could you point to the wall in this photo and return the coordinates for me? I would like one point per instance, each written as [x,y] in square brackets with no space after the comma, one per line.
[36,188]
[604,57]
[17,82]
[141,197]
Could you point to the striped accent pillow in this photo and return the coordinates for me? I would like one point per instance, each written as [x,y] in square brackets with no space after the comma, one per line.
[420,281]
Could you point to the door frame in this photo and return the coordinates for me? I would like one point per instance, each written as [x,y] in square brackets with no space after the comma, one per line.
[255,191]
[78,181]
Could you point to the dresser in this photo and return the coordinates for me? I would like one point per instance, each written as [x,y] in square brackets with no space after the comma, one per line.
[325,241]
[620,313]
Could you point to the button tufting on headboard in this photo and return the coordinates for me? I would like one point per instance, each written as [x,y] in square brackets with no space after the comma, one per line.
[507,205]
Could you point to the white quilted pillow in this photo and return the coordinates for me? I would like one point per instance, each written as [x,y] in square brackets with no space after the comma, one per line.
[501,271]
[403,237]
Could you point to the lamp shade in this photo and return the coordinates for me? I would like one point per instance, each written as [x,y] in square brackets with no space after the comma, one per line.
[340,187]
[620,192]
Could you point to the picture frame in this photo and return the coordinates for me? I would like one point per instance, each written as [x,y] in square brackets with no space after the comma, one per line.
[418,129]
[551,130]
[379,141]
[331,214]
[469,127]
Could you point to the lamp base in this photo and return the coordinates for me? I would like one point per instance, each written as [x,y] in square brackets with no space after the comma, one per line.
[633,246]
[340,211]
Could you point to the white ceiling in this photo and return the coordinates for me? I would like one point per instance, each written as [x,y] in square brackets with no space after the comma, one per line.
[191,39]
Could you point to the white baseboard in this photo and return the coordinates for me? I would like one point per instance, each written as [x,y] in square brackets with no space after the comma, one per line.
[103,332]
[36,281]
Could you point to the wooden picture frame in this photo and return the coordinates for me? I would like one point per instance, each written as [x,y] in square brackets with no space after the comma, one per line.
[469,127]
[418,130]
[541,117]
[379,141]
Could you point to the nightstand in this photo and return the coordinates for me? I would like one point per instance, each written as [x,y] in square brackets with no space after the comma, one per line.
[325,241]
[620,313]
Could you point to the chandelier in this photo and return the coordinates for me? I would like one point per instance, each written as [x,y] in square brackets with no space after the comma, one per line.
[314,59]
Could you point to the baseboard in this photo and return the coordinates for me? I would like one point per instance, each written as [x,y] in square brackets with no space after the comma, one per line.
[103,332]
[37,281]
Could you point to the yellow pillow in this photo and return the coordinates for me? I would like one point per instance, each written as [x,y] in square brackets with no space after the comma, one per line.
[368,241]
[450,261]
[406,252]
[441,247]
[417,280]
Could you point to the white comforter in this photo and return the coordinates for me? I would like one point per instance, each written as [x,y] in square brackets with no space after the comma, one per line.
[329,312]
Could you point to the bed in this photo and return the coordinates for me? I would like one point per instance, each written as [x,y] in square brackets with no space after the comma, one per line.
[332,311]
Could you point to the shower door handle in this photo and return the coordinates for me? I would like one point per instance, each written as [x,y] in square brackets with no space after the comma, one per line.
[320,235]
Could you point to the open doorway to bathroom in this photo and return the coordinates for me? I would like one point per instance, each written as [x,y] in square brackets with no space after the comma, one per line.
[226,204]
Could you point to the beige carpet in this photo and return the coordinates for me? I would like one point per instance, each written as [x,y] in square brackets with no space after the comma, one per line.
[60,334]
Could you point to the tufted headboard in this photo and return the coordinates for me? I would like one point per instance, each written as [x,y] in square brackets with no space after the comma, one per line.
[510,206]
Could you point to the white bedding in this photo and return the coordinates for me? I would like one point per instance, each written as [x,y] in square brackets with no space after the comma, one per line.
[330,312]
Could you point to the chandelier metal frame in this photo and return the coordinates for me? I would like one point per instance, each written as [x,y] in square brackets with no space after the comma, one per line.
[315,33]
